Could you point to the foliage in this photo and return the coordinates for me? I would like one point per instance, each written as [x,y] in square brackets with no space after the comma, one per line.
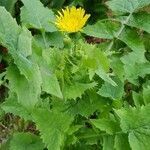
[60,92]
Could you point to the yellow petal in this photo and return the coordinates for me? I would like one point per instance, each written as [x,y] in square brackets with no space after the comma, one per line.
[71,19]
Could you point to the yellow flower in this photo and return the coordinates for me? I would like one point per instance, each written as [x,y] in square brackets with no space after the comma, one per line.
[71,19]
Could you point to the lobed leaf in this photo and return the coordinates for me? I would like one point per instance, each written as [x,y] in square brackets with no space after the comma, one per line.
[127,6]
[108,125]
[114,92]
[53,127]
[102,29]
[140,20]
[11,105]
[50,83]
[77,89]
[37,17]
[19,85]
[136,122]
[9,5]
[23,141]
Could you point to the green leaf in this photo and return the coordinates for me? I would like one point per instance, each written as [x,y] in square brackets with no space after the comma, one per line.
[19,85]
[114,92]
[118,67]
[8,4]
[53,127]
[24,141]
[97,62]
[136,122]
[139,20]
[133,71]
[12,106]
[138,56]
[95,58]
[87,105]
[100,72]
[138,99]
[25,42]
[72,139]
[108,125]
[133,118]
[140,139]
[108,142]
[50,83]
[55,39]
[127,6]
[37,17]
[77,89]
[29,69]
[136,67]
[121,142]
[132,39]
[14,38]
[88,136]
[9,29]
[55,59]
[18,42]
[146,95]
[51,39]
[102,29]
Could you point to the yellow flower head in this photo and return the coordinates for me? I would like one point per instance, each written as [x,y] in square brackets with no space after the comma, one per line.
[71,19]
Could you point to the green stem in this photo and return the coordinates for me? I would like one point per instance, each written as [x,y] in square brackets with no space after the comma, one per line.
[44,39]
